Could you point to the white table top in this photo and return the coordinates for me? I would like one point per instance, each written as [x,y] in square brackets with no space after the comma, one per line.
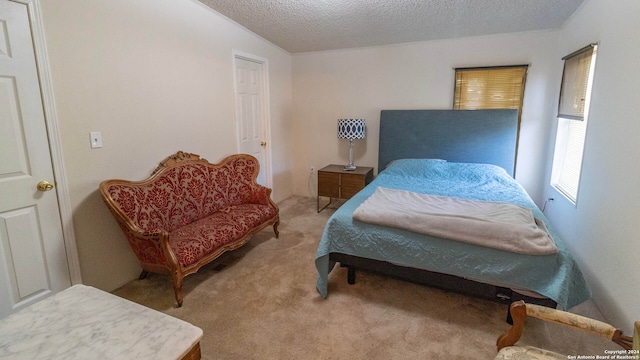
[82,322]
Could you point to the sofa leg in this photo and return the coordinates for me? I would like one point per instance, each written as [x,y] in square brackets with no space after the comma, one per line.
[177,287]
[143,275]
[275,228]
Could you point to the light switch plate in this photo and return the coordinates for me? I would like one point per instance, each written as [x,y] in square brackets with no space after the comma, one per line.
[96,139]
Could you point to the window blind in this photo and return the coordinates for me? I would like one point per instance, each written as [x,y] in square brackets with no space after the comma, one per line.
[490,87]
[575,81]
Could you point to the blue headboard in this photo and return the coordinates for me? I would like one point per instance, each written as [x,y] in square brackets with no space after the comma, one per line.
[473,136]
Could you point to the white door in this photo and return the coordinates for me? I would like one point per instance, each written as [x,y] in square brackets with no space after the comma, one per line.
[33,262]
[251,113]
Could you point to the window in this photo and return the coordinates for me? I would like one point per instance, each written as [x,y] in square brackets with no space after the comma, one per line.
[573,110]
[490,88]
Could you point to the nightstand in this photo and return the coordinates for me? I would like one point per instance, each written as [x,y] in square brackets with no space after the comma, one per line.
[336,182]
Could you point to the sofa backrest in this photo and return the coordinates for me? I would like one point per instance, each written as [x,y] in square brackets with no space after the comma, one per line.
[183,191]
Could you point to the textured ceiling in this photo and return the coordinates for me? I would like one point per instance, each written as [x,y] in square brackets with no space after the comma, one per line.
[316,25]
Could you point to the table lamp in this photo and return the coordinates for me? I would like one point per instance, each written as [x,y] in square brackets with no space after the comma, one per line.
[351,129]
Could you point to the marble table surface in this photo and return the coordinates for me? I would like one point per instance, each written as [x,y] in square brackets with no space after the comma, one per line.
[82,322]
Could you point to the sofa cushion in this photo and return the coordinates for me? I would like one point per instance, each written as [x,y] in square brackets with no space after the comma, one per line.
[527,353]
[192,242]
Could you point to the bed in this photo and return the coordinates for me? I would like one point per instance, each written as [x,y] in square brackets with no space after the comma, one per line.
[460,154]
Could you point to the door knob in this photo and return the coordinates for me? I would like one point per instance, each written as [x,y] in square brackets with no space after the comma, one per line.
[263,143]
[44,186]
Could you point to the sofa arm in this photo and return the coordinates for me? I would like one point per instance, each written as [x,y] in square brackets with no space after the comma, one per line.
[150,247]
[579,322]
[520,311]
[572,320]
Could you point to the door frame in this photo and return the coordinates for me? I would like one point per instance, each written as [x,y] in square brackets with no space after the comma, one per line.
[264,63]
[55,145]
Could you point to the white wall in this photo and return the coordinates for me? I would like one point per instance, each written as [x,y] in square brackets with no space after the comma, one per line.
[361,82]
[154,76]
[602,230]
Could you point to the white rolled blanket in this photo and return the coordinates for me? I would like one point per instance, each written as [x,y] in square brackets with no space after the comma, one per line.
[496,225]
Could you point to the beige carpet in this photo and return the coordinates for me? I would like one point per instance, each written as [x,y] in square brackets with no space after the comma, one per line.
[260,302]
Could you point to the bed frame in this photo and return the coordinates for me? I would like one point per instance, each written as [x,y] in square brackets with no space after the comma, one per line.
[472,136]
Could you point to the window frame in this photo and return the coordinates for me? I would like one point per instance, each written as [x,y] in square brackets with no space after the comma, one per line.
[568,155]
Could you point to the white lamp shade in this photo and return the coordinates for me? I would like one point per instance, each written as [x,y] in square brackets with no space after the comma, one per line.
[351,129]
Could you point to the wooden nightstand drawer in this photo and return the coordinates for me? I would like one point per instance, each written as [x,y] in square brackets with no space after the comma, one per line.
[336,182]
[348,191]
[351,184]
[328,184]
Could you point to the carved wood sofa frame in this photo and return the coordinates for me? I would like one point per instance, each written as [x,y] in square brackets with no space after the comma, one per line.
[520,311]
[195,211]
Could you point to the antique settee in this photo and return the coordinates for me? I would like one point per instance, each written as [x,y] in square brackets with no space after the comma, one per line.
[189,212]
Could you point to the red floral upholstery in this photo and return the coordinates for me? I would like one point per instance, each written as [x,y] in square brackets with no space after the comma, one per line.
[190,211]
[191,242]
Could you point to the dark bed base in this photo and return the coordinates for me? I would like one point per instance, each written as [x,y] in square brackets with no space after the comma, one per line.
[438,280]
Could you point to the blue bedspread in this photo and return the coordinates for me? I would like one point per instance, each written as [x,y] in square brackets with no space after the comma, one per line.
[556,276]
